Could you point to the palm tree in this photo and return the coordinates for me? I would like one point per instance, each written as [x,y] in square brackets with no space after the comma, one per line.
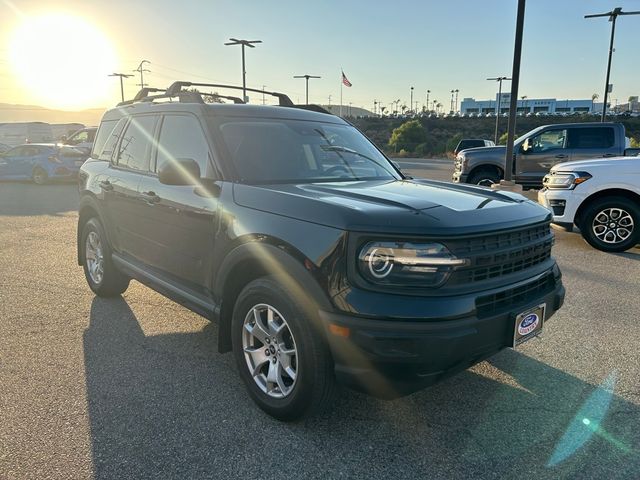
[594,97]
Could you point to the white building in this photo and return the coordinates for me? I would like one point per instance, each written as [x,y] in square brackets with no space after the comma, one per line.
[526,105]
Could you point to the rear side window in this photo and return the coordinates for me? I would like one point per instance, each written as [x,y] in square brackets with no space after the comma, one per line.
[104,131]
[181,137]
[471,144]
[135,146]
[597,137]
[111,141]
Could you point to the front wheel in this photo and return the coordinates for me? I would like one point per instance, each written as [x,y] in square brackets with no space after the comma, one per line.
[102,275]
[39,176]
[611,224]
[281,355]
[484,177]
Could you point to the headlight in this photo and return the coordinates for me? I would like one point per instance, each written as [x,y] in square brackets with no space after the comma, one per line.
[407,264]
[565,180]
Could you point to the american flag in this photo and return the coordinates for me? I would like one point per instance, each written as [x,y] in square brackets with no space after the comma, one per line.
[345,80]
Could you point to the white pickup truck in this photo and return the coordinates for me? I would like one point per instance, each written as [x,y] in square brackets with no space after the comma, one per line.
[601,197]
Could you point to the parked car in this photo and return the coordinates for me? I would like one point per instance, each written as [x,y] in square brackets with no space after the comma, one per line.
[17,133]
[466,143]
[82,139]
[601,197]
[318,259]
[41,162]
[538,150]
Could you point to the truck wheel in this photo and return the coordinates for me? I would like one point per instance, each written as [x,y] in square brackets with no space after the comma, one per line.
[484,177]
[611,224]
[102,275]
[39,176]
[285,364]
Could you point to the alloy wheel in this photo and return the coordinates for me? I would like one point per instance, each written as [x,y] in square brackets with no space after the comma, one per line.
[270,350]
[94,257]
[612,225]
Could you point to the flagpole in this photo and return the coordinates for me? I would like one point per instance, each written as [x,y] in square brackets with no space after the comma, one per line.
[341,83]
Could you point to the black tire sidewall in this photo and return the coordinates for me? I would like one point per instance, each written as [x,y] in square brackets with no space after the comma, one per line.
[611,202]
[45,176]
[310,344]
[481,175]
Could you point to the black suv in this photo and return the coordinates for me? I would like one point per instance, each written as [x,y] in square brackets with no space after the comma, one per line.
[319,260]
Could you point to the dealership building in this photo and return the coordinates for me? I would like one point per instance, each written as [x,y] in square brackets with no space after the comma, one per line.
[529,105]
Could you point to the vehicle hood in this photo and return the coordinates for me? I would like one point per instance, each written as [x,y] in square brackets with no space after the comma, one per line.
[396,206]
[492,151]
[621,163]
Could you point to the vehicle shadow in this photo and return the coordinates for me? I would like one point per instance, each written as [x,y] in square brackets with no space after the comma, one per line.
[26,199]
[169,406]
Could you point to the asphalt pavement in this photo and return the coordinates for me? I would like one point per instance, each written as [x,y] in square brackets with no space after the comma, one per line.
[133,387]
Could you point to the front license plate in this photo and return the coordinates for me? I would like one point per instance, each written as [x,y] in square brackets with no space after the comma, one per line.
[528,324]
[79,163]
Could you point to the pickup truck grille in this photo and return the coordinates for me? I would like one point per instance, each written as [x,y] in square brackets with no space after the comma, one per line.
[500,254]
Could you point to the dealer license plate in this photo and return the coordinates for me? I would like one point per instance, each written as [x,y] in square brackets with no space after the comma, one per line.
[528,324]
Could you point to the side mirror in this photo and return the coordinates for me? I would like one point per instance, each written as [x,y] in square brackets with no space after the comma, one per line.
[181,171]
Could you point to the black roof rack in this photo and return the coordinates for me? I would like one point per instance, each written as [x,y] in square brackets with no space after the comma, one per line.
[186,96]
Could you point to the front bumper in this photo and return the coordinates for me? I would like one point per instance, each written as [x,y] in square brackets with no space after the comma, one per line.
[459,177]
[563,203]
[392,358]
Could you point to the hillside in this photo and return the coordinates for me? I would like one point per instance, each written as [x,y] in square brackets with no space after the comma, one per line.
[32,113]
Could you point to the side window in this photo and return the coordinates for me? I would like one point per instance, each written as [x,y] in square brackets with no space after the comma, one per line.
[598,137]
[79,137]
[135,146]
[549,140]
[181,137]
[104,135]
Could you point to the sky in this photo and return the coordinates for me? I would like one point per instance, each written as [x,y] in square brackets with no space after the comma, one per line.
[384,48]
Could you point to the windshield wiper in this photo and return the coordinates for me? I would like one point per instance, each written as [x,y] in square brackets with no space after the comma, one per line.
[339,148]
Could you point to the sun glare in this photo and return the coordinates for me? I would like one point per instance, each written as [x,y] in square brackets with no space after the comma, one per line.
[62,61]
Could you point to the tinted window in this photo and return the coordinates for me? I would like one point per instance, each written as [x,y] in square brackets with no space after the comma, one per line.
[275,150]
[470,144]
[104,131]
[111,141]
[549,140]
[598,137]
[79,137]
[181,137]
[135,146]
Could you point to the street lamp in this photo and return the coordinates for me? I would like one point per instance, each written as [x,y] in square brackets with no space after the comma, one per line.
[121,75]
[456,102]
[306,77]
[613,16]
[451,105]
[411,101]
[428,92]
[499,80]
[243,43]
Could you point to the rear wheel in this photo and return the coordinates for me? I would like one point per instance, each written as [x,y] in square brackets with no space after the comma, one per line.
[484,177]
[101,274]
[39,176]
[611,224]
[283,360]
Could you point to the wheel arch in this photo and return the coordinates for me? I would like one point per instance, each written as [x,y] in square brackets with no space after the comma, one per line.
[610,192]
[254,260]
[486,167]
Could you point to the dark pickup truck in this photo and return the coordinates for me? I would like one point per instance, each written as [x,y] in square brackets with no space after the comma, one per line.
[540,149]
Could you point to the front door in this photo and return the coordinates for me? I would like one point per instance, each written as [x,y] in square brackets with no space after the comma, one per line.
[539,153]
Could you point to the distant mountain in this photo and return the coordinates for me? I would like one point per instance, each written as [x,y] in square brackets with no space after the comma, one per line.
[34,113]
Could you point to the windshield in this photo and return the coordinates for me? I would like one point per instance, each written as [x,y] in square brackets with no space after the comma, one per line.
[285,151]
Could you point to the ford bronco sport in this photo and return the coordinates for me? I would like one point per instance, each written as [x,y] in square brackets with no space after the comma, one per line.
[319,260]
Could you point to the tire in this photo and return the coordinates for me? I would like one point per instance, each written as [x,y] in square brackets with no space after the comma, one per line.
[611,224]
[484,177]
[102,275]
[311,388]
[39,176]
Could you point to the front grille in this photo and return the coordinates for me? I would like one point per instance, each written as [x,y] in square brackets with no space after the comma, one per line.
[502,301]
[494,255]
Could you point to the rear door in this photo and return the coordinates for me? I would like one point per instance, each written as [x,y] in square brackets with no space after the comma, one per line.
[129,164]
[592,142]
[541,152]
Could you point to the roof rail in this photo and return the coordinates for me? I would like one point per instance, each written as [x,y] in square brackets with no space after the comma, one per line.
[142,94]
[284,100]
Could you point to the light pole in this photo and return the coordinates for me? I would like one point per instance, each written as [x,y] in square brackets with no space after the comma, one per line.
[243,43]
[435,102]
[141,69]
[411,101]
[456,103]
[121,75]
[306,77]
[499,80]
[613,16]
[428,92]
[451,105]
[524,102]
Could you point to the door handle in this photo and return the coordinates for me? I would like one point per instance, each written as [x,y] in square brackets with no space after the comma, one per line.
[562,155]
[106,185]
[150,197]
